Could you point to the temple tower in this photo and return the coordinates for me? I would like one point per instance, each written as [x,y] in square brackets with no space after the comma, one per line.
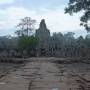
[43,35]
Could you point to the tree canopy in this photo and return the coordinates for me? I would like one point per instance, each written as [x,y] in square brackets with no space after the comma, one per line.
[75,6]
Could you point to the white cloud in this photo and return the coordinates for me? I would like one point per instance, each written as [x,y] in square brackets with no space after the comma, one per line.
[6,1]
[11,16]
[56,20]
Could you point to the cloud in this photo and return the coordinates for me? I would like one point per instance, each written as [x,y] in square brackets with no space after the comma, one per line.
[56,20]
[6,2]
[10,17]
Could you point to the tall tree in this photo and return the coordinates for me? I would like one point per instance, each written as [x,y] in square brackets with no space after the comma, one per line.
[75,6]
[25,26]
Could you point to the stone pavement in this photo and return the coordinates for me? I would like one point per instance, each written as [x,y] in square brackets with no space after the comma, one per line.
[40,74]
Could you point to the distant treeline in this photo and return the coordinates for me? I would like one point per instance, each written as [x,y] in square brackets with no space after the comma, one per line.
[60,45]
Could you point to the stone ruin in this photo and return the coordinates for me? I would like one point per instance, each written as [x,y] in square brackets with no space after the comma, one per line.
[43,34]
[51,46]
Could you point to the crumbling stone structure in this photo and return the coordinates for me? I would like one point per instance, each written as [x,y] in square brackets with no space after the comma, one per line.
[43,34]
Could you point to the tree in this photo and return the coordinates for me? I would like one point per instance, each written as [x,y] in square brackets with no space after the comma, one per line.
[75,6]
[26,25]
[27,44]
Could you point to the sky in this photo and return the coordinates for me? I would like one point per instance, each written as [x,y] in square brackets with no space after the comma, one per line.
[11,11]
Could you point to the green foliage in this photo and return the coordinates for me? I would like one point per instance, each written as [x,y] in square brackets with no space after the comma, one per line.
[27,43]
[75,6]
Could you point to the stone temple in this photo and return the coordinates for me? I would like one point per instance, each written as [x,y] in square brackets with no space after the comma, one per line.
[43,34]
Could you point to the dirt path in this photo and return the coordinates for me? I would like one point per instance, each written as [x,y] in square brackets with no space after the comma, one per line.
[40,74]
[37,75]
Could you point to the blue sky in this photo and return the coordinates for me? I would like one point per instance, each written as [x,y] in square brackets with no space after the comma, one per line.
[34,4]
[11,11]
